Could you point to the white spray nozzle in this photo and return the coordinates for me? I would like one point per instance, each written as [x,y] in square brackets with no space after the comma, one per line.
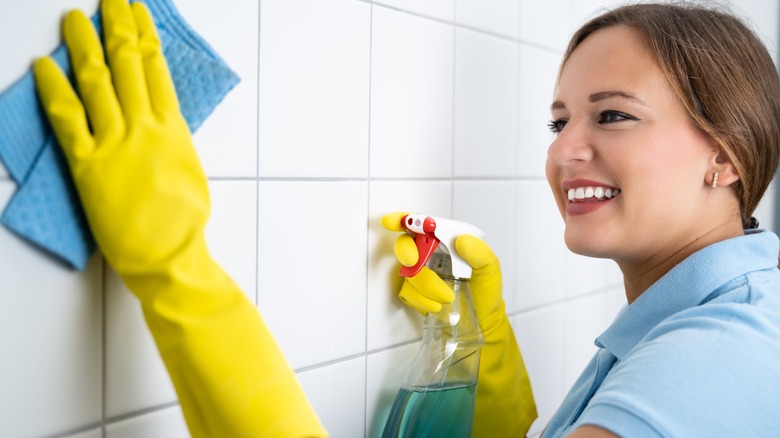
[431,232]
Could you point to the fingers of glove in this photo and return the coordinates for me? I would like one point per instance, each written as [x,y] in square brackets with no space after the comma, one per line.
[406,250]
[432,286]
[161,89]
[93,77]
[412,297]
[124,56]
[477,254]
[486,275]
[392,221]
[64,109]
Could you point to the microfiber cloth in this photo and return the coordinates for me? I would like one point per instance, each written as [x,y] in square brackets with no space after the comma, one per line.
[45,209]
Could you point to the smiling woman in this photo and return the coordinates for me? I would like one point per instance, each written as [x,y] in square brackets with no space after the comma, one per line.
[667,135]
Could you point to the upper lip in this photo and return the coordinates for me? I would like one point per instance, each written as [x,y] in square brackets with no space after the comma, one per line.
[576,183]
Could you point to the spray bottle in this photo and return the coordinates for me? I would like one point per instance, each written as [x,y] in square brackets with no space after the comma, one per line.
[438,397]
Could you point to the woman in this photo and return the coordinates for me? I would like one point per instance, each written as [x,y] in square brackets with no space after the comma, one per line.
[666,122]
[666,140]
[676,110]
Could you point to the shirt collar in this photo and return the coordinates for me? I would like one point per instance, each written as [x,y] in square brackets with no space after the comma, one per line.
[688,284]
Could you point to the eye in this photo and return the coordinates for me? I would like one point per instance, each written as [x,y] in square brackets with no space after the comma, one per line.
[556,126]
[614,116]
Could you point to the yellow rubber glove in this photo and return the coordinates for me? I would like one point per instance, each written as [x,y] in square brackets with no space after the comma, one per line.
[146,199]
[505,404]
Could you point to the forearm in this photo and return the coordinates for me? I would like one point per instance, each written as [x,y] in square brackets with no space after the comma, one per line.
[505,404]
[229,373]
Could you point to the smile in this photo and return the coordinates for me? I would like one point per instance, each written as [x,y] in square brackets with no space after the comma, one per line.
[592,194]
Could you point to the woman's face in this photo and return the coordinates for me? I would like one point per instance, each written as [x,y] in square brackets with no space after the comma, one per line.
[628,169]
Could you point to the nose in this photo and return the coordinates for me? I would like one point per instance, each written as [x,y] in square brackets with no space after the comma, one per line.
[573,145]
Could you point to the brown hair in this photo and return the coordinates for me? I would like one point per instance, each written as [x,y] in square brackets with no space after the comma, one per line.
[724,77]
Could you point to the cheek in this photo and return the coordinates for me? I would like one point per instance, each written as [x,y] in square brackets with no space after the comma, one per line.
[553,179]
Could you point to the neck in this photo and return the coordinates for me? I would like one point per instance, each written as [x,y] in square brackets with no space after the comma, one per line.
[639,275]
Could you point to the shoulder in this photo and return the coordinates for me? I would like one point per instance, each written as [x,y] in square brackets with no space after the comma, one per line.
[713,366]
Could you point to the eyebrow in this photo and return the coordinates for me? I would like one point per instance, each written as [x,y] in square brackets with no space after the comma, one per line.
[602,95]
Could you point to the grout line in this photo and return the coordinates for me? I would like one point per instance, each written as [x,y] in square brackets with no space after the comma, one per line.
[257,158]
[468,27]
[104,340]
[569,299]
[353,356]
[364,179]
[368,210]
[108,421]
[453,115]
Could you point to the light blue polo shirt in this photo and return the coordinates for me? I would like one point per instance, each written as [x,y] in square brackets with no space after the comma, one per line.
[696,355]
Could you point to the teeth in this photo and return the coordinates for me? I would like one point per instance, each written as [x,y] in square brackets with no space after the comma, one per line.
[592,192]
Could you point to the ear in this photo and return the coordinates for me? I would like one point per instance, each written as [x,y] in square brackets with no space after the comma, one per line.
[720,163]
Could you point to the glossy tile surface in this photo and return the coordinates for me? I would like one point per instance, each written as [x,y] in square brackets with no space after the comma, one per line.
[313,88]
[312,267]
[338,394]
[411,96]
[163,423]
[486,84]
[51,338]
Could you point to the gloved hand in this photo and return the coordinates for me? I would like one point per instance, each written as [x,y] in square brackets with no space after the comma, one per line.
[146,199]
[504,404]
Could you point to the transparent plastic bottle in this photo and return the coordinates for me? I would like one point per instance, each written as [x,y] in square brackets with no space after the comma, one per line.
[438,397]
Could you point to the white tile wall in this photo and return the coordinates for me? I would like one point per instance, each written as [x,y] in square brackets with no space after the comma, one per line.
[411,96]
[499,17]
[228,143]
[314,76]
[347,110]
[163,423]
[485,105]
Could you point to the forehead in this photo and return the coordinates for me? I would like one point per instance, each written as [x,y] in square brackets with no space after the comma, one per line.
[614,58]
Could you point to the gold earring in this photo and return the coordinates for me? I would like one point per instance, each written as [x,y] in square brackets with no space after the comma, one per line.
[715,180]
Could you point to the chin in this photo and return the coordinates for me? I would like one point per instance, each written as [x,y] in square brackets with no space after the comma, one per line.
[587,246]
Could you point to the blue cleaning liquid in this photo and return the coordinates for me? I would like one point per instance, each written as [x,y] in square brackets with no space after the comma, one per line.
[432,413]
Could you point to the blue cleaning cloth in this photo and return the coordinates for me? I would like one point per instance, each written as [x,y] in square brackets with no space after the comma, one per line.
[45,210]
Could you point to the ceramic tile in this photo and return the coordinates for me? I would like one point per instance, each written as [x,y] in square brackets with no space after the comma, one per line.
[765,211]
[93,433]
[314,85]
[136,377]
[411,96]
[227,140]
[338,394]
[496,16]
[491,206]
[231,232]
[546,24]
[586,274]
[36,27]
[438,9]
[386,373]
[50,330]
[486,85]
[538,73]
[540,334]
[390,322]
[312,268]
[586,318]
[164,423]
[540,247]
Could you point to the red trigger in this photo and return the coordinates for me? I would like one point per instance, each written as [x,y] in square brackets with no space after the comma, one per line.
[426,244]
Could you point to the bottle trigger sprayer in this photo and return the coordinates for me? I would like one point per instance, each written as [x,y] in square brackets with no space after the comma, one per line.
[438,397]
